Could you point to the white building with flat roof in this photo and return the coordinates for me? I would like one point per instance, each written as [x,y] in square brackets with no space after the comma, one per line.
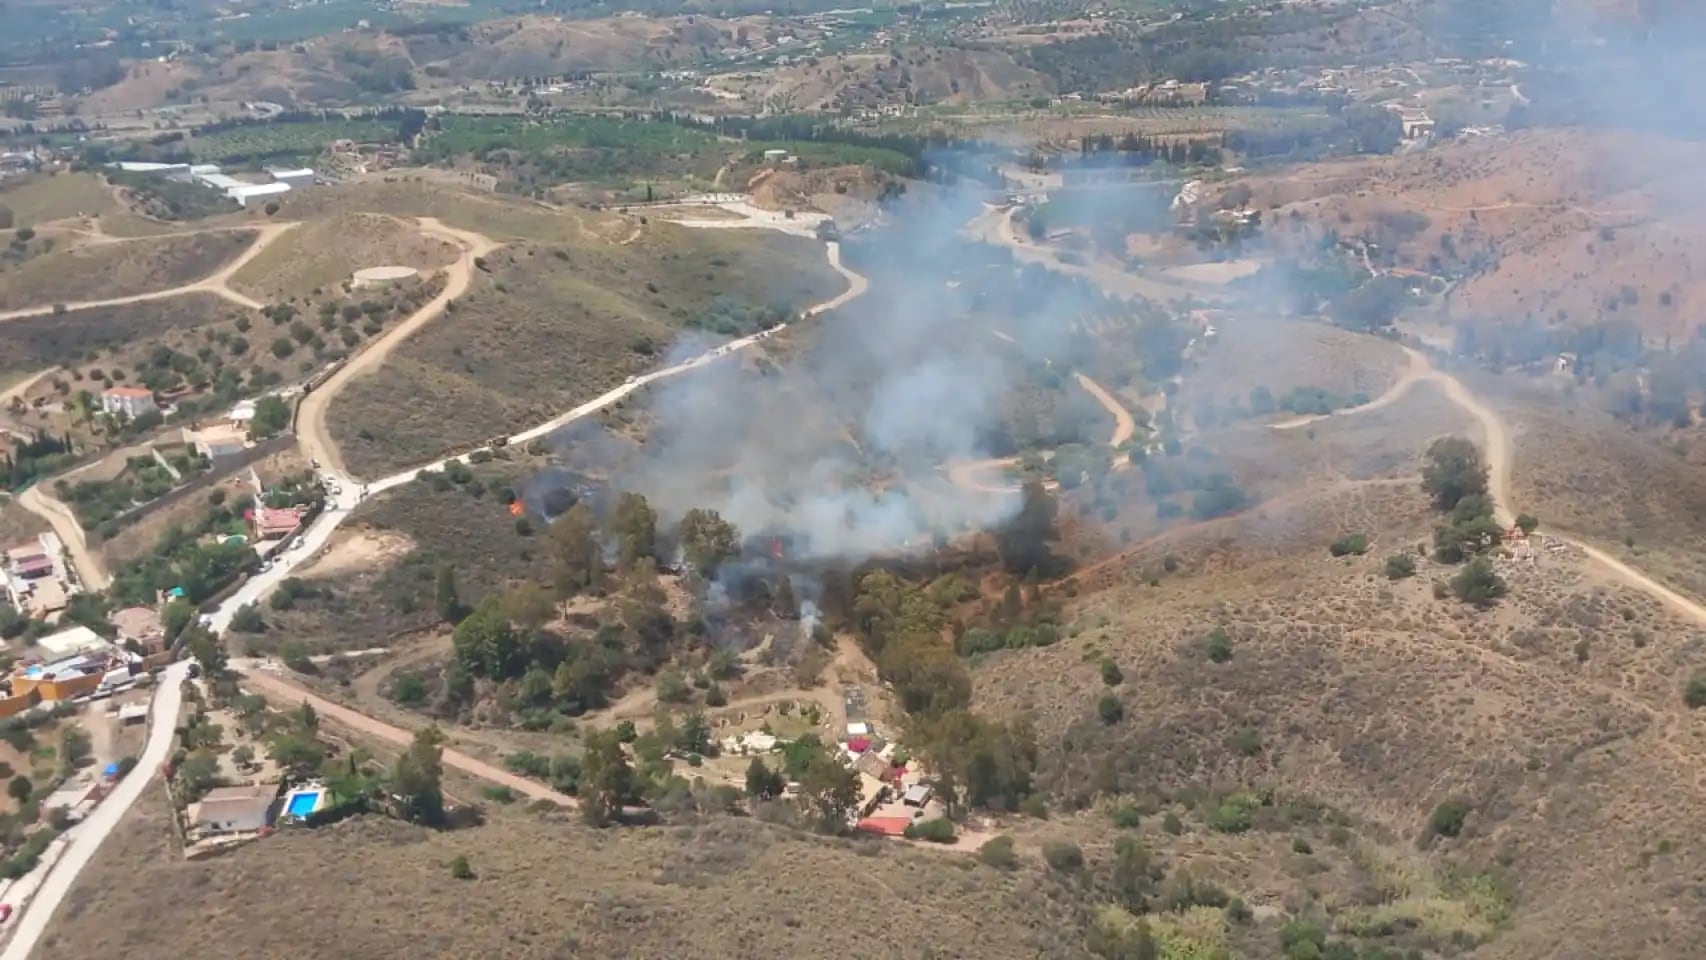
[247,193]
[297,178]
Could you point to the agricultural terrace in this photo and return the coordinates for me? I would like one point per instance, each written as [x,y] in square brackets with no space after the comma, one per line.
[271,141]
[575,148]
[819,153]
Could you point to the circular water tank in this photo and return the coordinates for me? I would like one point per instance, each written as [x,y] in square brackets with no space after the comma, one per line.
[383,276]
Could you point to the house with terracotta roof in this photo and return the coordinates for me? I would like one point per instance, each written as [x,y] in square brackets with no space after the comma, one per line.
[132,402]
[276,523]
[141,627]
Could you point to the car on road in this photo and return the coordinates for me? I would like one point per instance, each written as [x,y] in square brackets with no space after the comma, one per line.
[632,380]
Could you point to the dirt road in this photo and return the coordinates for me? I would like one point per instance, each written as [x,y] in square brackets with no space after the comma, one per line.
[215,283]
[86,837]
[284,692]
[313,435]
[1497,451]
[1416,370]
[88,563]
[1124,426]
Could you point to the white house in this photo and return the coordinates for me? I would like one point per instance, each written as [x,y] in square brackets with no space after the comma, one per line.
[133,402]
[233,809]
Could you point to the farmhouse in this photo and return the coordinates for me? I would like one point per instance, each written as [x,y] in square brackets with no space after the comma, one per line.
[133,402]
[218,440]
[233,809]
[141,627]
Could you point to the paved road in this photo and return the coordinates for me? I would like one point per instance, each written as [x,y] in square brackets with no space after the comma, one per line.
[34,916]
[86,837]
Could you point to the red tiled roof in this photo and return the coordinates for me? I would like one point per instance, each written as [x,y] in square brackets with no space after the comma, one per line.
[886,826]
[129,392]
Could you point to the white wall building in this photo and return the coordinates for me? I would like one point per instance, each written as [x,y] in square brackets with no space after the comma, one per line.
[297,178]
[133,402]
[247,193]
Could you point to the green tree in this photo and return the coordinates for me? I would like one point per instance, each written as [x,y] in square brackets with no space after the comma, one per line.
[19,788]
[1111,674]
[1218,647]
[417,779]
[485,643]
[1478,583]
[577,562]
[829,792]
[297,751]
[1527,523]
[460,868]
[1110,709]
[1694,691]
[206,650]
[1447,819]
[707,540]
[248,619]
[177,615]
[635,524]
[445,597]
[529,606]
[607,781]
[1399,566]
[272,415]
[1024,540]
[998,852]
[1453,471]
[762,783]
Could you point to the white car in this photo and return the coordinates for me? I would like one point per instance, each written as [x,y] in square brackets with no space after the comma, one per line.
[632,380]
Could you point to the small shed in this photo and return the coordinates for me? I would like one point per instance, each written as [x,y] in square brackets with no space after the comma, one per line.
[916,795]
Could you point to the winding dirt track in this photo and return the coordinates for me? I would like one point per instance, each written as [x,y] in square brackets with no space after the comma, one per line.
[279,689]
[90,569]
[1496,441]
[216,283]
[313,434]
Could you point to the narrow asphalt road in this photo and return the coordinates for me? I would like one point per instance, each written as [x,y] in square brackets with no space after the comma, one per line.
[86,837]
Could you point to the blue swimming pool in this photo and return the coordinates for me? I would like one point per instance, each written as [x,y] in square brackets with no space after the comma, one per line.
[301,804]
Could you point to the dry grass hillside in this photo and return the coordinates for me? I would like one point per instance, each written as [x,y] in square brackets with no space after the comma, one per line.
[1556,716]
[324,252]
[353,65]
[1567,227]
[100,271]
[38,199]
[548,887]
[545,328]
[947,75]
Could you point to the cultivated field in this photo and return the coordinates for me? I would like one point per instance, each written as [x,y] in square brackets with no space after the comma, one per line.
[545,328]
[102,271]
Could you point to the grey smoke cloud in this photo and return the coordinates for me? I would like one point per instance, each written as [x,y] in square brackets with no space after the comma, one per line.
[844,448]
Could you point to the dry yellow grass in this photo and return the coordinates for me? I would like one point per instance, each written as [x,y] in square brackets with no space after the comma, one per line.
[101,271]
[323,253]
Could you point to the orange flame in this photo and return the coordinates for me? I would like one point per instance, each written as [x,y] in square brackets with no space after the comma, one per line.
[516,509]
